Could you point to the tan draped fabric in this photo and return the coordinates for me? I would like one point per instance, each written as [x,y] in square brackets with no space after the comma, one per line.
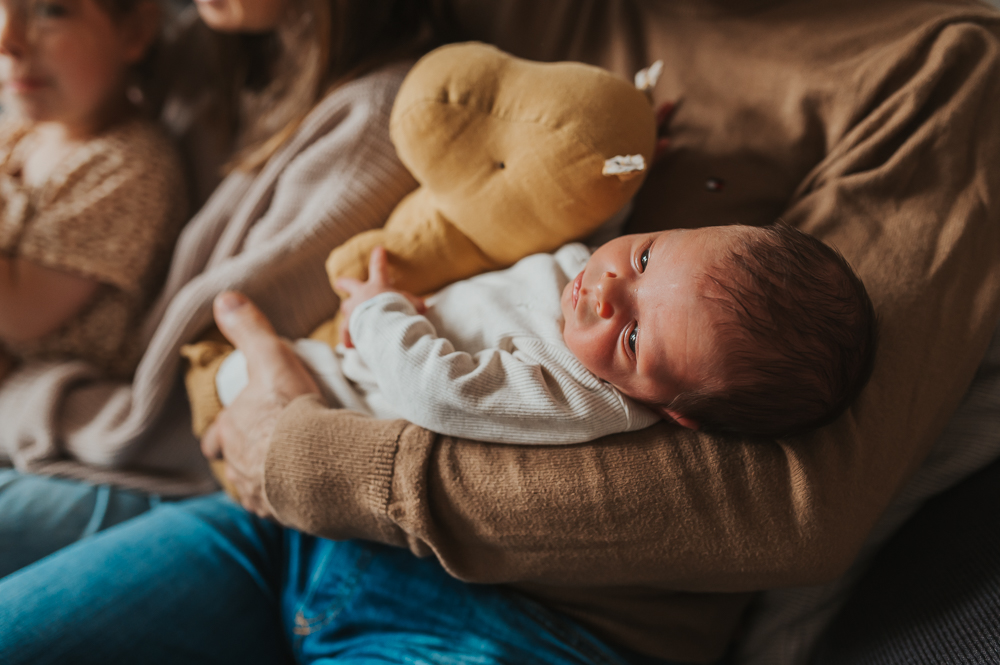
[871,124]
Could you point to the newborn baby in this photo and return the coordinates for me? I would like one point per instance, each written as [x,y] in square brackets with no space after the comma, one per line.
[731,329]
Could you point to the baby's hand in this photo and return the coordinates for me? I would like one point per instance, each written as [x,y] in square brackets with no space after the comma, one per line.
[378,282]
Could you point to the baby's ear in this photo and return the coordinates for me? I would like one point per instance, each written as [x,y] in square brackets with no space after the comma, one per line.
[683,421]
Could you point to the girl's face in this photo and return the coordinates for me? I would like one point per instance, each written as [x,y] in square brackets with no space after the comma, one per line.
[65,61]
[242,15]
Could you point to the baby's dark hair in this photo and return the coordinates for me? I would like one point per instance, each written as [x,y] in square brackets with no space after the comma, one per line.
[798,335]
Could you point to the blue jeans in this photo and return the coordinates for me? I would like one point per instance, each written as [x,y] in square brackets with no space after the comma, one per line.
[203,581]
[40,515]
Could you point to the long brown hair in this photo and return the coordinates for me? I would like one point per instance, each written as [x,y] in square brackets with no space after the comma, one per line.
[321,45]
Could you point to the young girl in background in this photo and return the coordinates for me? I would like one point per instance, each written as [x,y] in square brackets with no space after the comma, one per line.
[304,89]
[91,191]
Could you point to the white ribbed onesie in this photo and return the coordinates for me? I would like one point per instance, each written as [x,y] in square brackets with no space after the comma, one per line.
[486,361]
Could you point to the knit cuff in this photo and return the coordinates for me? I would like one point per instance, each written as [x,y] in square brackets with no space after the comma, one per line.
[329,472]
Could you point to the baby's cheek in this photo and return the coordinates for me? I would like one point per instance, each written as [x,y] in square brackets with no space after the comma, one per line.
[582,348]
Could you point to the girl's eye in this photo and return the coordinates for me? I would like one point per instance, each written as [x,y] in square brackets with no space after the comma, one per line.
[49,10]
[631,338]
[644,259]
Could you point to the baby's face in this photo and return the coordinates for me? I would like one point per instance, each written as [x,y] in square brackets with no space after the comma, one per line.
[636,318]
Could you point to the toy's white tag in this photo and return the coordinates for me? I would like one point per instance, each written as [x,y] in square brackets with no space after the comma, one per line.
[625,167]
[645,79]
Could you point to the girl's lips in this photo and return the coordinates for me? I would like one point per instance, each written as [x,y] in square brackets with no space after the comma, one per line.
[576,288]
[25,84]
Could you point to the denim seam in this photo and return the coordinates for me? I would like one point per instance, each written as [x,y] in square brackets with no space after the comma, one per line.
[305,626]
[101,502]
[318,572]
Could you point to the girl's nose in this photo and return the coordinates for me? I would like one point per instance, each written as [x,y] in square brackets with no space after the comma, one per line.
[12,36]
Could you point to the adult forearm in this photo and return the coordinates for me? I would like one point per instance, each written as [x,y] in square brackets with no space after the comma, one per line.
[654,507]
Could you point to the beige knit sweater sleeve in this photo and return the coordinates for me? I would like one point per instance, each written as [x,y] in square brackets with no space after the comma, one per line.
[653,537]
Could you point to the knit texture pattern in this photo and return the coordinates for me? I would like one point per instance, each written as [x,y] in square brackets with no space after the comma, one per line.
[266,234]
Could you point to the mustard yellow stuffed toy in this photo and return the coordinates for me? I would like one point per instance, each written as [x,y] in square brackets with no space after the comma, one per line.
[513,158]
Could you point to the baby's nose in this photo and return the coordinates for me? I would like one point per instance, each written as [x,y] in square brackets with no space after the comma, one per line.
[605,310]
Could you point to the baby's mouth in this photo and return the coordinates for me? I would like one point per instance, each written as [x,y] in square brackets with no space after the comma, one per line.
[576,288]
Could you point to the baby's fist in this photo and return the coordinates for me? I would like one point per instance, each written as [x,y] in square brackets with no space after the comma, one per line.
[378,282]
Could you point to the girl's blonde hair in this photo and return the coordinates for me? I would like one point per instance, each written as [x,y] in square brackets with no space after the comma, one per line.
[321,45]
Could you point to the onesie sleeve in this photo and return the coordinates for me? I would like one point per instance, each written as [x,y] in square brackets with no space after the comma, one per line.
[110,210]
[532,392]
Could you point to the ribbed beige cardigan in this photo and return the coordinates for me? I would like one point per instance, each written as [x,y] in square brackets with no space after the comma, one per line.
[874,124]
[266,235]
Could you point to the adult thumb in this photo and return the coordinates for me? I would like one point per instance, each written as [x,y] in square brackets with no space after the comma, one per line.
[243,324]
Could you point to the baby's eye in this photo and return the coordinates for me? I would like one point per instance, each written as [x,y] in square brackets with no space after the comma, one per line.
[644,259]
[631,338]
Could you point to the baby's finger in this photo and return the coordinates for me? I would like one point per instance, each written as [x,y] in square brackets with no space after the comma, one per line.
[347,284]
[378,266]
[345,337]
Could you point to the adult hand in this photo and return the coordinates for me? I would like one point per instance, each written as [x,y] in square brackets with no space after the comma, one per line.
[242,431]
[379,281]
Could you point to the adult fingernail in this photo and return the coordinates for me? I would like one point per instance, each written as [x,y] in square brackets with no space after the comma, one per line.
[230,300]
